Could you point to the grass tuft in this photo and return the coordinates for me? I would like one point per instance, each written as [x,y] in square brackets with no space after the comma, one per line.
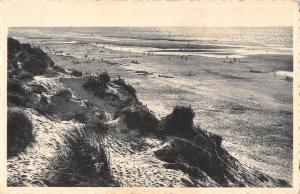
[97,85]
[121,82]
[81,160]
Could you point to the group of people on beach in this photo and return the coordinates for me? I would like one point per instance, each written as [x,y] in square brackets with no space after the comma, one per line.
[230,60]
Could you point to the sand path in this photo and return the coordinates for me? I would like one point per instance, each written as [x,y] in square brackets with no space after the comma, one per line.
[134,164]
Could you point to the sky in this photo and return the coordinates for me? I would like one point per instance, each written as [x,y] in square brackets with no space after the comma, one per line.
[216,13]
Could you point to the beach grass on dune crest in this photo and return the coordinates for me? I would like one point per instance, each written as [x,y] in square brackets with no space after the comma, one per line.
[128,88]
[97,84]
[81,160]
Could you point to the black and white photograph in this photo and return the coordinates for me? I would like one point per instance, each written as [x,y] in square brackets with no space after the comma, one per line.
[152,95]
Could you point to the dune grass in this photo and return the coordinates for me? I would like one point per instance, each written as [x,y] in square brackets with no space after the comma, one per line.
[81,160]
[128,88]
[97,84]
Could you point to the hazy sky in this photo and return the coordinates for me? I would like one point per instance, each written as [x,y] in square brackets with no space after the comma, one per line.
[150,13]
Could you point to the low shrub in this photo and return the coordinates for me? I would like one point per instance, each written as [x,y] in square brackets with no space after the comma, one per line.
[59,69]
[121,82]
[81,117]
[82,161]
[16,99]
[37,88]
[104,77]
[76,73]
[19,131]
[24,57]
[96,85]
[180,121]
[140,117]
[35,65]
[64,94]
[15,86]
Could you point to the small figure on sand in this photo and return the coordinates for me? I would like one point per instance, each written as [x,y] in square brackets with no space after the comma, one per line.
[169,57]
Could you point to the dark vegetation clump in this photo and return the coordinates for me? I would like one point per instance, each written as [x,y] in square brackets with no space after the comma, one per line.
[140,117]
[97,126]
[128,88]
[24,57]
[15,86]
[16,93]
[104,77]
[97,84]
[180,121]
[76,73]
[80,117]
[59,69]
[37,88]
[82,161]
[64,94]
[19,131]
[34,65]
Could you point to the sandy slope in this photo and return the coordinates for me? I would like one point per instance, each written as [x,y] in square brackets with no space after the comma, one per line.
[29,168]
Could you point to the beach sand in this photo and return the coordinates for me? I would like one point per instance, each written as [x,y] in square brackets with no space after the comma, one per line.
[252,111]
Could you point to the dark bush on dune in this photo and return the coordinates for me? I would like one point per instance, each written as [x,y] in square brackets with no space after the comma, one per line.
[34,65]
[16,93]
[180,121]
[81,161]
[13,46]
[16,99]
[97,85]
[19,131]
[81,117]
[121,82]
[59,69]
[15,86]
[25,57]
[76,73]
[104,77]
[140,117]
[64,94]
